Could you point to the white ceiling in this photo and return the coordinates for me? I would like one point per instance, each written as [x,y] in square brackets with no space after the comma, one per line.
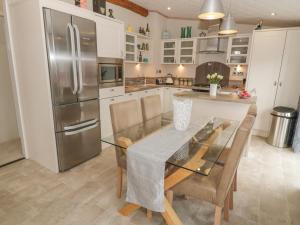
[245,11]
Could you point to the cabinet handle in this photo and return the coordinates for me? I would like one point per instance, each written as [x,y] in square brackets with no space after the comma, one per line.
[280,84]
[112,100]
[112,89]
[275,83]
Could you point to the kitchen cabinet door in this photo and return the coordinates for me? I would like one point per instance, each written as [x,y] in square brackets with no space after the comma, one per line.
[169,50]
[187,51]
[110,38]
[289,82]
[263,74]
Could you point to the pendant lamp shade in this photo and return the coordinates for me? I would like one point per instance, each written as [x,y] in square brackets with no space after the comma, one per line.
[211,10]
[228,25]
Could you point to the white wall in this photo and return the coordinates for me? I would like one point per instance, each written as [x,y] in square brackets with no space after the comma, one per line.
[8,119]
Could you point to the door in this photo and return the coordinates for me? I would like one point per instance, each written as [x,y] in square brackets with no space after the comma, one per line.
[289,82]
[86,49]
[62,66]
[110,38]
[265,63]
[77,146]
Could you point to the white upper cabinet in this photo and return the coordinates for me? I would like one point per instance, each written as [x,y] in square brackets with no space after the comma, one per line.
[179,51]
[289,81]
[238,49]
[169,51]
[187,51]
[110,38]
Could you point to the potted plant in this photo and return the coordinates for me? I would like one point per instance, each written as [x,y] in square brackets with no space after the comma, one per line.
[214,81]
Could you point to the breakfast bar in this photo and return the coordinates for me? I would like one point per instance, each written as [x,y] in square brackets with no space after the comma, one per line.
[225,105]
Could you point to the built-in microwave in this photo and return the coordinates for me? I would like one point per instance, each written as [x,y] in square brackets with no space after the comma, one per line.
[110,71]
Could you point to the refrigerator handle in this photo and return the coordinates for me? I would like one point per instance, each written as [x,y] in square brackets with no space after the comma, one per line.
[79,58]
[69,133]
[86,123]
[75,80]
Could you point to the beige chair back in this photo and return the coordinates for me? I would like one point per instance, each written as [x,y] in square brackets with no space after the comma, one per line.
[151,107]
[125,114]
[238,145]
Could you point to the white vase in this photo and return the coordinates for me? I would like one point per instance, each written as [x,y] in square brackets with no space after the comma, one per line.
[182,113]
[213,90]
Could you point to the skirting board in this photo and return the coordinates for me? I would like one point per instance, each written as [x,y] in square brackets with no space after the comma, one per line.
[260,133]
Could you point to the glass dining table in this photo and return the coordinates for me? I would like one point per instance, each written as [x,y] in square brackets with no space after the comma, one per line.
[198,155]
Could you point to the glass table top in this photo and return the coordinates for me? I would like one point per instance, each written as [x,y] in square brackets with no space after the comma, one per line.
[198,155]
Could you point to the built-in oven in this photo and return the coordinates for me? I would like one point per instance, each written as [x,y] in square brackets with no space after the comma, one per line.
[110,72]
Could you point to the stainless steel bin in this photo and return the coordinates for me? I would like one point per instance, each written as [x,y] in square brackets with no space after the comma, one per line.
[282,128]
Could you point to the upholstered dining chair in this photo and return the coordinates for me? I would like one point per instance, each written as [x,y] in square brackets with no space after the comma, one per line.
[151,106]
[217,187]
[123,115]
[223,157]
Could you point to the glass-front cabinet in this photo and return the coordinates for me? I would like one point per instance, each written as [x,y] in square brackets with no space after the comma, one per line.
[187,51]
[239,49]
[179,51]
[130,47]
[169,51]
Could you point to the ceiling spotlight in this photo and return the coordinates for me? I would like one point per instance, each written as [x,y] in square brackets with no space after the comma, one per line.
[273,14]
[169,8]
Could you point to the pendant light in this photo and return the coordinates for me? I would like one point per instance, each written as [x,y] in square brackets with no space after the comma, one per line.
[211,10]
[228,25]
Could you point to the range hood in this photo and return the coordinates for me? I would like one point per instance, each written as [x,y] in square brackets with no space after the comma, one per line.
[212,43]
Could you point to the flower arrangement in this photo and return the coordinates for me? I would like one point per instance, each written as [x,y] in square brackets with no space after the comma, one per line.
[214,78]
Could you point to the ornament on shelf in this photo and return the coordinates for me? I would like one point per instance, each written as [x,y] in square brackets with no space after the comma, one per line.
[99,6]
[110,11]
[259,25]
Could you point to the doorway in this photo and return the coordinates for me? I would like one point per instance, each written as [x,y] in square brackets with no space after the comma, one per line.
[10,142]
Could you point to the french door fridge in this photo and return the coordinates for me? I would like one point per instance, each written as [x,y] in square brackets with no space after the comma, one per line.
[71,47]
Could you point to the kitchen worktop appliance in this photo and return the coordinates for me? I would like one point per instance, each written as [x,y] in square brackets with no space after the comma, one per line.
[169,80]
[71,47]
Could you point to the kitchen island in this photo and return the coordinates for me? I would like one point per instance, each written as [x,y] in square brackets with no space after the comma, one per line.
[225,105]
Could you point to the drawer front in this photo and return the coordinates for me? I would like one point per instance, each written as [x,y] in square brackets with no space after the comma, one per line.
[111,92]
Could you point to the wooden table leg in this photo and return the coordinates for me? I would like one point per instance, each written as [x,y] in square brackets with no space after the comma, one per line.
[128,209]
[149,214]
[170,215]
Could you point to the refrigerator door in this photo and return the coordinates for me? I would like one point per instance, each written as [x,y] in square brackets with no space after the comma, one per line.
[78,146]
[77,115]
[60,39]
[86,47]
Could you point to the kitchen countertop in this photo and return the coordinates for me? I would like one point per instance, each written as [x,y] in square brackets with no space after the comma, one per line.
[228,97]
[134,88]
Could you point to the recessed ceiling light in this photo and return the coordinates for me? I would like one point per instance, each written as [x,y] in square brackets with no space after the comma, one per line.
[169,8]
[273,14]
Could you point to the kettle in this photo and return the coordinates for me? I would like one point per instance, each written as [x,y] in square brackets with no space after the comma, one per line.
[169,79]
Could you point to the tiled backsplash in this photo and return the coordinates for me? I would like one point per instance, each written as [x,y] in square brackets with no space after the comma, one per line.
[152,80]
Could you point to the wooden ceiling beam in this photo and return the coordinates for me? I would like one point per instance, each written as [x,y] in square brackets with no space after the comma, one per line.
[130,6]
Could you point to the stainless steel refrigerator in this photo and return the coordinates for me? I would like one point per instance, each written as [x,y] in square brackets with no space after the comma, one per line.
[71,46]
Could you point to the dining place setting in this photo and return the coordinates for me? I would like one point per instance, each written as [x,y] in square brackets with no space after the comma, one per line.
[172,154]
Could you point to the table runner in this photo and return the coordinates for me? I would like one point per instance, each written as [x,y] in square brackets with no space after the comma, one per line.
[146,163]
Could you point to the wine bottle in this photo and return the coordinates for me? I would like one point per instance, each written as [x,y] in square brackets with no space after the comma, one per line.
[147,30]
[140,57]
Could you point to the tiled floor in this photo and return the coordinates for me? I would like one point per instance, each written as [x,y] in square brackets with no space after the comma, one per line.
[268,193]
[10,151]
